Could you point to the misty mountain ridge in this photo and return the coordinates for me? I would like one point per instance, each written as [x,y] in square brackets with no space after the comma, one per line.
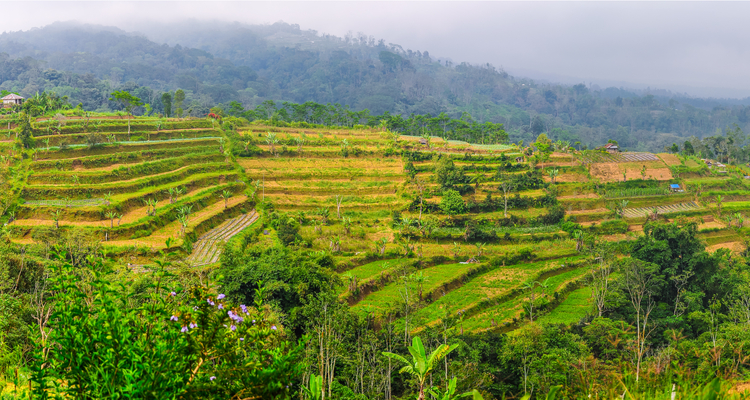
[216,63]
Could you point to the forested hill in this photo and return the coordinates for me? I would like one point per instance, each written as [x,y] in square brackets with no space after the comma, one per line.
[218,63]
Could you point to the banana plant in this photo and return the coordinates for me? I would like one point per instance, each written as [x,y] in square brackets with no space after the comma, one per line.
[421,365]
[315,390]
[450,392]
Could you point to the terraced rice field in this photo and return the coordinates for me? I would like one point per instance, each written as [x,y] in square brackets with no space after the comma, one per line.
[672,208]
[392,294]
[575,306]
[365,182]
[207,249]
[490,287]
[66,203]
[502,313]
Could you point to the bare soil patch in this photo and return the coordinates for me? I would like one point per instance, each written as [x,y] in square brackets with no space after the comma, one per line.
[565,178]
[607,172]
[660,174]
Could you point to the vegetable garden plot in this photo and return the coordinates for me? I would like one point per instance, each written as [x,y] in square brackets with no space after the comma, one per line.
[635,157]
[593,156]
[207,250]
[672,208]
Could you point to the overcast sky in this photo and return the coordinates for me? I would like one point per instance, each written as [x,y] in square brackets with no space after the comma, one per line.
[698,48]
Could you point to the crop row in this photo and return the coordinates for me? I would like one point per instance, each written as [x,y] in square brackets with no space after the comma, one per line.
[66,203]
[83,191]
[207,248]
[43,143]
[147,225]
[125,203]
[636,192]
[84,153]
[41,128]
[123,172]
[672,208]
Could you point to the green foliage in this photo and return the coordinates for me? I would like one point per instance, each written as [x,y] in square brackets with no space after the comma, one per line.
[289,276]
[103,346]
[452,203]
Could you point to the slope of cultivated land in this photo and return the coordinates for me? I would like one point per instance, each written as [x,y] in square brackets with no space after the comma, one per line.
[157,239]
[492,286]
[576,305]
[366,183]
[391,294]
[504,312]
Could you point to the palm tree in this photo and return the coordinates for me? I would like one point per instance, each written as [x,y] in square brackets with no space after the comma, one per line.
[623,205]
[108,198]
[578,235]
[271,140]
[421,365]
[456,249]
[532,286]
[380,245]
[553,174]
[300,141]
[56,218]
[111,215]
[719,199]
[480,249]
[226,195]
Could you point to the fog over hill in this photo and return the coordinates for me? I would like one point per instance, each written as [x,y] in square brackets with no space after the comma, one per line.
[216,63]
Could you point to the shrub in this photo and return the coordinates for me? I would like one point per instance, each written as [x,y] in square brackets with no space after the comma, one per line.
[161,343]
[452,203]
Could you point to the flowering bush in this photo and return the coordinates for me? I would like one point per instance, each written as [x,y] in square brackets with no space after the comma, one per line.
[214,116]
[189,344]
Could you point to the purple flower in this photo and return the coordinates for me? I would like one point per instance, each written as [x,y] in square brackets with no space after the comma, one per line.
[221,296]
[273,327]
[233,328]
[173,294]
[253,322]
[242,339]
[244,309]
[210,302]
[195,308]
[221,306]
[174,318]
[193,325]
[212,378]
[184,329]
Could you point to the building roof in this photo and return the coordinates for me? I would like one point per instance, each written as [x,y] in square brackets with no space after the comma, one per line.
[610,146]
[674,186]
[12,97]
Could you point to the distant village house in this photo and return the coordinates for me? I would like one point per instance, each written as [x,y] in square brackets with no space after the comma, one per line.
[611,148]
[12,100]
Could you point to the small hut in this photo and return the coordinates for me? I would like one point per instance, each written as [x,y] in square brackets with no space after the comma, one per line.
[611,148]
[12,100]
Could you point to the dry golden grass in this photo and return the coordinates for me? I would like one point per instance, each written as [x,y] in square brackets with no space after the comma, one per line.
[669,159]
[734,247]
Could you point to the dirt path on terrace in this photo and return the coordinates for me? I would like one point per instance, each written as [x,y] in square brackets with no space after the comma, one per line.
[172,230]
